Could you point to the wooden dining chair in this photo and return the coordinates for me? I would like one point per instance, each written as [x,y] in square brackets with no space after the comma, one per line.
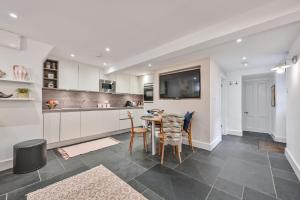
[138,131]
[170,134]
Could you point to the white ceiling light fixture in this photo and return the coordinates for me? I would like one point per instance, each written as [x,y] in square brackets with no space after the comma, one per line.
[107,49]
[149,65]
[246,64]
[281,68]
[239,40]
[13,15]
[72,55]
[105,64]
[244,58]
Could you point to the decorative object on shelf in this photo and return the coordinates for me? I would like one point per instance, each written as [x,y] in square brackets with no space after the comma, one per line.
[23,93]
[233,83]
[20,73]
[52,103]
[2,95]
[50,74]
[2,73]
[50,84]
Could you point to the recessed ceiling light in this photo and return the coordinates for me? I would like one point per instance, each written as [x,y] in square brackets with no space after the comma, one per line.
[13,15]
[246,64]
[72,55]
[149,65]
[107,49]
[239,40]
[244,58]
[104,64]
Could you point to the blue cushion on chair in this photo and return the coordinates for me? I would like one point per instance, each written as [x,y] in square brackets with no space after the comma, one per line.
[187,119]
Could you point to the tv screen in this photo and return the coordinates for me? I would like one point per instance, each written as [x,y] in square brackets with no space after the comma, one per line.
[180,85]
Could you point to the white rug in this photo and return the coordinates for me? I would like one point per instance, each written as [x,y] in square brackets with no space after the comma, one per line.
[77,149]
[95,184]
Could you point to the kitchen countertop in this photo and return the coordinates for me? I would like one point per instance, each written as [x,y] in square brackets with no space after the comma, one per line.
[87,109]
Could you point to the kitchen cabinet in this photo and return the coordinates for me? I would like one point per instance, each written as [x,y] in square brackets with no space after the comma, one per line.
[88,78]
[70,125]
[68,75]
[123,83]
[51,127]
[97,122]
[134,85]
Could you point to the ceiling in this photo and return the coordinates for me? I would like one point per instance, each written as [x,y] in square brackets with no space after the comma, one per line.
[264,49]
[134,27]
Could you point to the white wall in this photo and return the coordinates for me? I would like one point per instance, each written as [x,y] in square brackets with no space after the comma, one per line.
[234,99]
[293,117]
[21,121]
[206,129]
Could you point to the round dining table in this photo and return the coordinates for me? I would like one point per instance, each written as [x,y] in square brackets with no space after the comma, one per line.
[152,119]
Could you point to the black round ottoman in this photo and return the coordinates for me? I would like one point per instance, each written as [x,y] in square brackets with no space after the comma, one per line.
[29,156]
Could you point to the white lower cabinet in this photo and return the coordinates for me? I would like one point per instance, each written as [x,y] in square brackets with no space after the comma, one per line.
[51,127]
[70,125]
[97,122]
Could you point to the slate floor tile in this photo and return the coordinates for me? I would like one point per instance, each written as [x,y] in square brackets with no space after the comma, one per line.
[220,195]
[147,163]
[229,187]
[149,194]
[250,194]
[129,172]
[53,168]
[3,197]
[287,175]
[287,190]
[201,171]
[280,163]
[10,181]
[209,159]
[170,184]
[137,185]
[20,194]
[249,174]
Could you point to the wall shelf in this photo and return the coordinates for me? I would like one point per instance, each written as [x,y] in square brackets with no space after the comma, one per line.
[16,81]
[50,67]
[16,99]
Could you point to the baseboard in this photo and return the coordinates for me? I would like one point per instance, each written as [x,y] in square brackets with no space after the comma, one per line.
[293,162]
[6,164]
[234,132]
[278,139]
[204,145]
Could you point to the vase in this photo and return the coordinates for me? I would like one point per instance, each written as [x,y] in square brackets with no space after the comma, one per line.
[20,73]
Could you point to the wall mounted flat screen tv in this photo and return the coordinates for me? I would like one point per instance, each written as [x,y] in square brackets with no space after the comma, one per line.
[180,84]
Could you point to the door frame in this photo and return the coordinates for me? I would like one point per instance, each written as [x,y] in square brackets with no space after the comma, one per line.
[268,80]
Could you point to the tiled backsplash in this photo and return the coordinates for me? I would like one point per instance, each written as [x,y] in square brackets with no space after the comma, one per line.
[75,99]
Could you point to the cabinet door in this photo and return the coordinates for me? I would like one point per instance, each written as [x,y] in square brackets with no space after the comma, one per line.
[51,127]
[70,125]
[68,75]
[137,113]
[134,85]
[109,120]
[88,78]
[123,83]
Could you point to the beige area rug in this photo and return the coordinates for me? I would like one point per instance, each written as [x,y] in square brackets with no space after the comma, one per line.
[77,149]
[94,184]
[270,146]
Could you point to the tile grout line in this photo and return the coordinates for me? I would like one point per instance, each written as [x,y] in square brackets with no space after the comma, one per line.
[243,193]
[39,175]
[61,164]
[272,174]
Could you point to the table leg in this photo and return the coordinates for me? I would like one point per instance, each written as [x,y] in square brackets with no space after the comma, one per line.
[153,139]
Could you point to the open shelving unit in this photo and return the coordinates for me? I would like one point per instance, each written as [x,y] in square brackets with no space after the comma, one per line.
[16,99]
[50,67]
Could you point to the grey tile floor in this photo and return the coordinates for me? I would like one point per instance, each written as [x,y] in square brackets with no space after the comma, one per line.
[235,169]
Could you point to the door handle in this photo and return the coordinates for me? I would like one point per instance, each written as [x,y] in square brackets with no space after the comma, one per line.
[245,112]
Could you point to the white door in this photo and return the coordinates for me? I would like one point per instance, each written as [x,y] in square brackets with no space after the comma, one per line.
[256,106]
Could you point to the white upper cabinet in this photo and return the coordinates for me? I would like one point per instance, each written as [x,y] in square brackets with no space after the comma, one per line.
[88,78]
[123,83]
[134,85]
[68,75]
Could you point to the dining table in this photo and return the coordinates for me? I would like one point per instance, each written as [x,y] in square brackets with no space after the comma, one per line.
[152,119]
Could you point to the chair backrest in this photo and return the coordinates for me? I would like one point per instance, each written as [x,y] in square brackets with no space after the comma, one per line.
[172,124]
[131,121]
[190,124]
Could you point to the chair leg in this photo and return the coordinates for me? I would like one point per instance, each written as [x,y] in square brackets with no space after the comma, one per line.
[173,151]
[162,154]
[178,153]
[191,142]
[145,141]
[131,142]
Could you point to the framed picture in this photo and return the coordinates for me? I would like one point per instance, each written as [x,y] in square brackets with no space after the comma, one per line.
[273,96]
